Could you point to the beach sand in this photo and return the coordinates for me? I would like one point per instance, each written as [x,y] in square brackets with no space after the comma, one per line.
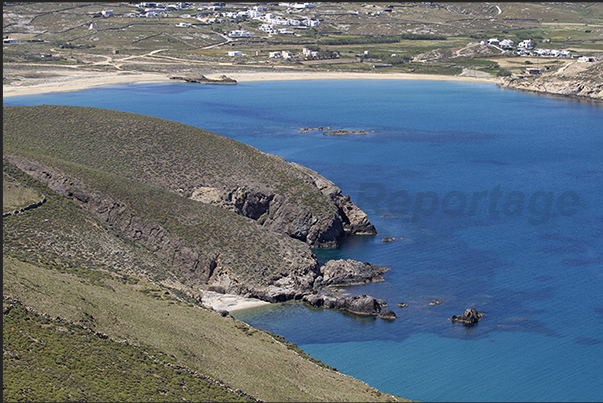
[65,81]
[230,302]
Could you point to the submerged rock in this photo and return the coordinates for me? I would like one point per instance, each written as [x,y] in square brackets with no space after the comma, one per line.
[470,317]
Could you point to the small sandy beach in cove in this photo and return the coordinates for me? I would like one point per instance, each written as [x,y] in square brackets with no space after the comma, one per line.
[230,302]
[64,81]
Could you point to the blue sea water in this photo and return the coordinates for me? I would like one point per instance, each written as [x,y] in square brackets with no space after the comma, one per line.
[497,195]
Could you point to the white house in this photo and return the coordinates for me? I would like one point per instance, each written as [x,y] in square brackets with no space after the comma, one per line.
[235,53]
[93,25]
[526,44]
[493,41]
[240,33]
[586,59]
[285,31]
[292,22]
[10,40]
[267,28]
[506,44]
[311,23]
[287,55]
[183,25]
[309,53]
[565,53]
[275,55]
[107,13]
[301,6]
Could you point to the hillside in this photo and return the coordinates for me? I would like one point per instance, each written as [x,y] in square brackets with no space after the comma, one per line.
[119,249]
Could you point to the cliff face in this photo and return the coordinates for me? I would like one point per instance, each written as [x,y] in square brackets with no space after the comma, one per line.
[577,79]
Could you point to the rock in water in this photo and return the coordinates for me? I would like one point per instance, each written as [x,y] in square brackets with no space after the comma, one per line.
[470,317]
[388,314]
[348,272]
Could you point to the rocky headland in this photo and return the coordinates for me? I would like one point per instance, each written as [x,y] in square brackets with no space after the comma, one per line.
[220,217]
[583,80]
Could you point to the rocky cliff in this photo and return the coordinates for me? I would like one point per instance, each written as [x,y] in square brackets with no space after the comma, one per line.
[577,79]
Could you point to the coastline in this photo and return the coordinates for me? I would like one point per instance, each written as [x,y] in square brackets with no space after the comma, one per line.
[66,81]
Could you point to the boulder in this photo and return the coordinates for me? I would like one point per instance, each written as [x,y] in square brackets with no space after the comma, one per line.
[388,314]
[360,304]
[470,317]
[348,272]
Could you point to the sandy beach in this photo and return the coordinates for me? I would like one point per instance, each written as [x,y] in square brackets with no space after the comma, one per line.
[65,81]
[230,302]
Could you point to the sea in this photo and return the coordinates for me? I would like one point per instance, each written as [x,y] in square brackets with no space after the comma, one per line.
[494,200]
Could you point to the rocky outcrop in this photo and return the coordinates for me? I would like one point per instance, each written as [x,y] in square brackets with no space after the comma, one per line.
[469,317]
[387,314]
[358,304]
[325,227]
[354,220]
[348,272]
[205,80]
[576,79]
[340,132]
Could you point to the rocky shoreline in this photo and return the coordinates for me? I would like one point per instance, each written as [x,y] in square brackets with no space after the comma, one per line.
[578,80]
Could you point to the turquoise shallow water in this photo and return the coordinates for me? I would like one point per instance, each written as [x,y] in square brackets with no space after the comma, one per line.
[496,193]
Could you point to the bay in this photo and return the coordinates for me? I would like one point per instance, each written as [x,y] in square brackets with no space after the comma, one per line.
[497,195]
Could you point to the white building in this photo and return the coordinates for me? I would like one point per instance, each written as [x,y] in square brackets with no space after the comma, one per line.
[240,33]
[309,53]
[288,55]
[267,28]
[311,23]
[506,44]
[235,53]
[107,13]
[275,55]
[285,31]
[292,22]
[526,44]
[493,41]
[93,25]
[183,25]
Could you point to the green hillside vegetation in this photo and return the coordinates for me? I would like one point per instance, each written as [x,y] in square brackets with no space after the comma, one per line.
[55,361]
[153,318]
[166,154]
